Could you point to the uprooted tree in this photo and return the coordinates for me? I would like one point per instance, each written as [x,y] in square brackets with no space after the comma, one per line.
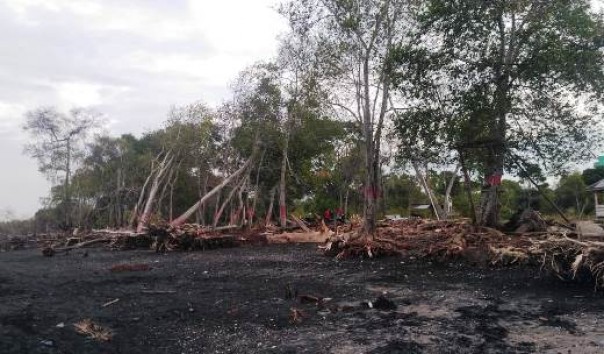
[256,115]
[500,81]
[187,145]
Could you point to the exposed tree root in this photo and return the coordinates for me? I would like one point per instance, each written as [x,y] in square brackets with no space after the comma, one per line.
[553,251]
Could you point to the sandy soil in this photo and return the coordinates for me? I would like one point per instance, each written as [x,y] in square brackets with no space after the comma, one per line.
[235,301]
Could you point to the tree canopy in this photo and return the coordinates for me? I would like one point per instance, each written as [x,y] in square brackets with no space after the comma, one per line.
[498,80]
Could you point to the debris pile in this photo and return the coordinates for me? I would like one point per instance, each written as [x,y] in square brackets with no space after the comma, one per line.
[550,249]
[93,330]
[420,238]
[551,246]
[160,236]
[189,237]
[570,259]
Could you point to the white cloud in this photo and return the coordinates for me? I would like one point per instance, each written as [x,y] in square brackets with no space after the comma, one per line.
[72,94]
[11,118]
[231,25]
[239,26]
[215,70]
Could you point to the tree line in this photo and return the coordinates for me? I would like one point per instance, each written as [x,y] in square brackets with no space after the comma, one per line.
[461,92]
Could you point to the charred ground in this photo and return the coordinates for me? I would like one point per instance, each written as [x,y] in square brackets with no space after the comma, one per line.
[236,301]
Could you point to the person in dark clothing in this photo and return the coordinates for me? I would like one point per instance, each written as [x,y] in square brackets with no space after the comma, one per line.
[327,216]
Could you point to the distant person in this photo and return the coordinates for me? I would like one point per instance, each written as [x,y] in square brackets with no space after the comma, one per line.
[327,215]
[340,214]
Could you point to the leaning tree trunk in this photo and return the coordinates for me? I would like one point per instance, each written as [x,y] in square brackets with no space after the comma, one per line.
[218,214]
[164,191]
[192,210]
[141,198]
[146,215]
[438,210]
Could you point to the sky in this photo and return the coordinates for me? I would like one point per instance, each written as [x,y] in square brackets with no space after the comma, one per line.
[130,60]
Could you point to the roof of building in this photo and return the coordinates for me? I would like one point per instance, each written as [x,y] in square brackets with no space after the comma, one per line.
[598,186]
[421,206]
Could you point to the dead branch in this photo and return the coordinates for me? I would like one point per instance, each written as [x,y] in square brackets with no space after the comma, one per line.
[300,223]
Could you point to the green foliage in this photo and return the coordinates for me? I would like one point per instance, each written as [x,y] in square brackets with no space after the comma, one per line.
[572,194]
[511,198]
[503,72]
[401,191]
[593,175]
[16,227]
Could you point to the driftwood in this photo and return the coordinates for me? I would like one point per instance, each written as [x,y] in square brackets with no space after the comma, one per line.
[93,330]
[300,223]
[110,302]
[298,237]
[50,251]
[164,236]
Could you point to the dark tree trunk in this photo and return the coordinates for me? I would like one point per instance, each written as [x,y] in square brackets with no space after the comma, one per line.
[489,206]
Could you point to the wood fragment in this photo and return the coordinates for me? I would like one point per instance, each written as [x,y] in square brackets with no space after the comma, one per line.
[93,330]
[111,302]
[84,244]
[300,223]
[296,315]
[306,299]
[151,292]
[298,237]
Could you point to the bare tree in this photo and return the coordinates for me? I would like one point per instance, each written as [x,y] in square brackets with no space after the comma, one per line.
[57,143]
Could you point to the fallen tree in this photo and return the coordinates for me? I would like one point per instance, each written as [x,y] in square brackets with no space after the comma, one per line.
[187,214]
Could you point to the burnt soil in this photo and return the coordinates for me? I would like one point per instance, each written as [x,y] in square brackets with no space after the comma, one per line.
[238,300]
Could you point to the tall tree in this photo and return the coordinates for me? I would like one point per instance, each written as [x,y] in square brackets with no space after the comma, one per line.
[57,142]
[501,80]
[572,193]
[350,43]
[593,175]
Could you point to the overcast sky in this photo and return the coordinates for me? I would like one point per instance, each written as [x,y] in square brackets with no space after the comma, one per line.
[131,60]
